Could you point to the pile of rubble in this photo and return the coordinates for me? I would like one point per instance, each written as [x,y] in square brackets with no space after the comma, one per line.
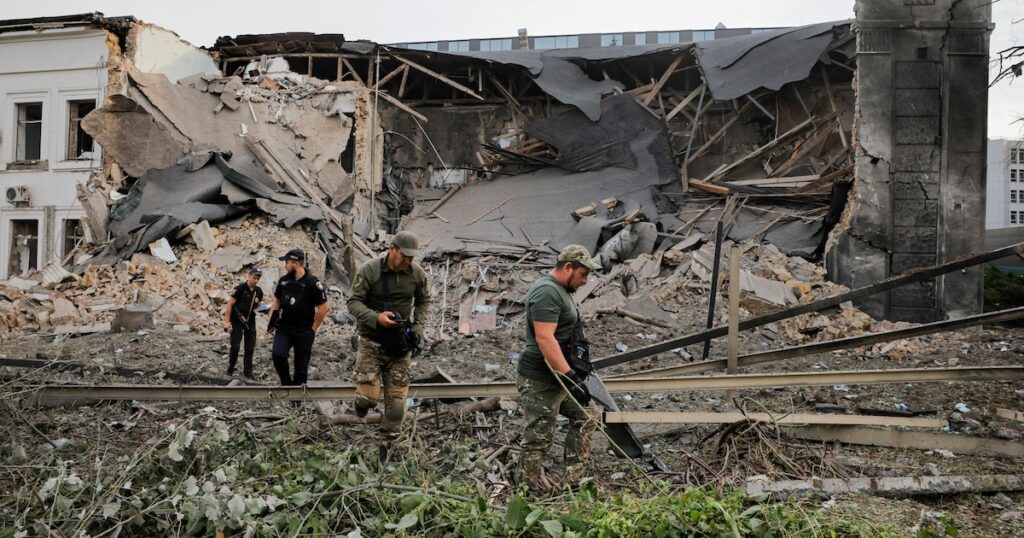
[187,287]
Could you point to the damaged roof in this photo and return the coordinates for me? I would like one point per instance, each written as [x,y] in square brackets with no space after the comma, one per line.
[732,67]
[117,25]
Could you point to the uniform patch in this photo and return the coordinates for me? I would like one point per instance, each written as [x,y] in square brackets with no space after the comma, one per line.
[320,285]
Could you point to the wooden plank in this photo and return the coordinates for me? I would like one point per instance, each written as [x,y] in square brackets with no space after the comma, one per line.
[734,308]
[792,181]
[708,187]
[506,94]
[826,179]
[833,345]
[682,417]
[447,196]
[805,148]
[914,275]
[784,137]
[832,103]
[957,444]
[693,131]
[438,76]
[686,101]
[355,74]
[760,106]
[716,137]
[686,225]
[402,106]
[402,84]
[398,70]
[664,78]
[489,211]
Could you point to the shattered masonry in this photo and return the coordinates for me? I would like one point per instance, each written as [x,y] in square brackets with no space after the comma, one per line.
[627,150]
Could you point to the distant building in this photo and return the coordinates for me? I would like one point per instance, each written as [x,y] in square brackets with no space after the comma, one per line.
[573,41]
[1004,193]
[1005,184]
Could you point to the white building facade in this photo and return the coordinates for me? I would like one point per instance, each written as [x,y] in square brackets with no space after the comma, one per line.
[1005,185]
[54,71]
[49,80]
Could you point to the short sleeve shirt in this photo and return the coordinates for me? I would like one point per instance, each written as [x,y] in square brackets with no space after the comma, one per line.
[299,299]
[546,301]
[246,300]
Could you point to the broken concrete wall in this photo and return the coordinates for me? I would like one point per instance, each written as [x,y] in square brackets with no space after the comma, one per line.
[155,50]
[920,130]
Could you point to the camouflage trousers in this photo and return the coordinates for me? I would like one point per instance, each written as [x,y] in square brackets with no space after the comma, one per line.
[542,402]
[377,373]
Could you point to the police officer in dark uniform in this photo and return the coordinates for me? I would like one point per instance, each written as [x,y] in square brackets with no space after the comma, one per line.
[240,320]
[299,309]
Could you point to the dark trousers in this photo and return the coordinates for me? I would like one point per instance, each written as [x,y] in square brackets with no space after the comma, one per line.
[301,340]
[240,331]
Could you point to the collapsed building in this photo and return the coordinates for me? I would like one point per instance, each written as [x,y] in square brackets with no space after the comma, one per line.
[857,144]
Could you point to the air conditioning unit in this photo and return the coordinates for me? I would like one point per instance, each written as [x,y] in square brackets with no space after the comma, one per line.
[18,196]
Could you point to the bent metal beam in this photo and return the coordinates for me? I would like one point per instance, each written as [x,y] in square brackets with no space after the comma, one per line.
[56,393]
[831,345]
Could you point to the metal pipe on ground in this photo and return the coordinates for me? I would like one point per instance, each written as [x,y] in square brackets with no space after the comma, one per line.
[56,393]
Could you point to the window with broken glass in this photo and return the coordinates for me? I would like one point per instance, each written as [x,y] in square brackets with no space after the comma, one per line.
[74,234]
[30,132]
[24,247]
[80,143]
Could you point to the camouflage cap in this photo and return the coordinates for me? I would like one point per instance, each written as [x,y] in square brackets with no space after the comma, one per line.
[407,242]
[578,254]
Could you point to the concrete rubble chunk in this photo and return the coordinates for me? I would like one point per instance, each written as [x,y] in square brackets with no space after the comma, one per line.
[230,259]
[21,283]
[162,249]
[133,318]
[64,312]
[203,237]
[906,486]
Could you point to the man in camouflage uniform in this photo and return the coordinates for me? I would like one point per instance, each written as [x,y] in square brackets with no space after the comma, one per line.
[385,293]
[549,386]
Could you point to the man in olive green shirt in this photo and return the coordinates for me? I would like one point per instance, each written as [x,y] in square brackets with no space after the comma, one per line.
[386,293]
[549,386]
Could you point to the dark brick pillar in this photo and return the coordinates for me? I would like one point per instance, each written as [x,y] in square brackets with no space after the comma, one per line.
[920,134]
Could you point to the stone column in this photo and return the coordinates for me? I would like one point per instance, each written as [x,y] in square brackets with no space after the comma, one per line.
[920,134]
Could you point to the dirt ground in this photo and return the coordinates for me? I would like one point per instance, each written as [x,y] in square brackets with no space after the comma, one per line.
[490,357]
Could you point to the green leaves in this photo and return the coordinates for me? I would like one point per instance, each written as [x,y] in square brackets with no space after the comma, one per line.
[245,485]
[300,498]
[408,520]
[515,516]
[553,527]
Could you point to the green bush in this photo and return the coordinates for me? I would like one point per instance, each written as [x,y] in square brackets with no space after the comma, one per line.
[1003,290]
[205,476]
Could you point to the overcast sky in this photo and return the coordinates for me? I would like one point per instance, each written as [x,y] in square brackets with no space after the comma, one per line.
[389,21]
